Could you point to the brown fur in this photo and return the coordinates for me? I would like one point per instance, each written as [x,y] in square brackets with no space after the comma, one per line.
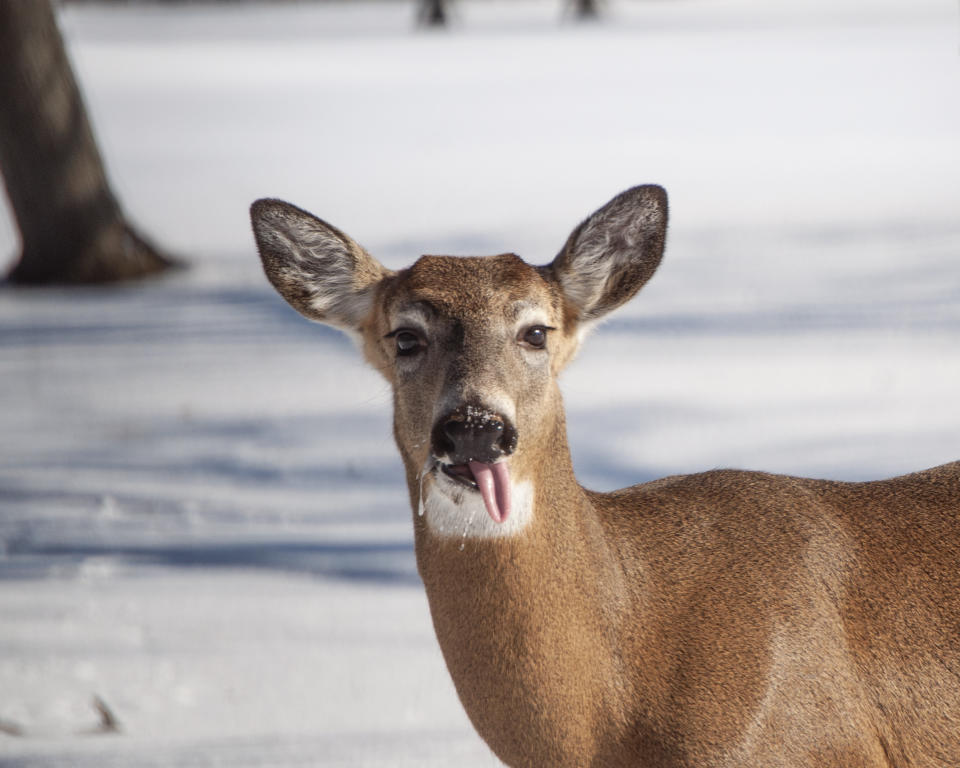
[723,619]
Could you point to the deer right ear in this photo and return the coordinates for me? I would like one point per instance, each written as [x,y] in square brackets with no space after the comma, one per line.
[319,270]
[610,256]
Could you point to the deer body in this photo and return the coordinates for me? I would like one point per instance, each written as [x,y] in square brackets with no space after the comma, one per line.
[722,619]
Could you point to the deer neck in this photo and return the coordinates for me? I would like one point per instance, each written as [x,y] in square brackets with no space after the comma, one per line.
[520,616]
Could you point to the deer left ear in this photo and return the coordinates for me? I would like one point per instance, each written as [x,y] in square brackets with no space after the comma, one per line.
[610,256]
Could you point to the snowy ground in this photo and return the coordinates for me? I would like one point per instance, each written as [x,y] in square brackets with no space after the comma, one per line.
[201,514]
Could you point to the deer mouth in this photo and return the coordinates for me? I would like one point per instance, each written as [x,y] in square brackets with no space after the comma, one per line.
[491,481]
[460,473]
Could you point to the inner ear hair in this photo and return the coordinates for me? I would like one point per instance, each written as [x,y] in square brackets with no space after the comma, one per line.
[319,270]
[613,252]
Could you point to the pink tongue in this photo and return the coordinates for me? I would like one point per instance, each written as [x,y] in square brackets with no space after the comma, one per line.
[493,480]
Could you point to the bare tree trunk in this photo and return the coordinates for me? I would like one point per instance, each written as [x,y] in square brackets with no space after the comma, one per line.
[72,228]
[432,13]
[586,9]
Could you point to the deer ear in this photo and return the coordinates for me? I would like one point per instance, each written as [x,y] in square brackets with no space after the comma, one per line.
[609,257]
[320,271]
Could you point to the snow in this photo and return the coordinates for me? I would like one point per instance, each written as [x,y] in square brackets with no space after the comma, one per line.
[202,515]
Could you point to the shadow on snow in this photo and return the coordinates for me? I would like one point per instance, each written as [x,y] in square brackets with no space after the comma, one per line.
[382,562]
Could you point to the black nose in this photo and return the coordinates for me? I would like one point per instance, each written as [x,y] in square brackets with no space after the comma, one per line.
[473,433]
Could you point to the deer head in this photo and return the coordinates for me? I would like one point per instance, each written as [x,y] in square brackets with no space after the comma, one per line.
[471,346]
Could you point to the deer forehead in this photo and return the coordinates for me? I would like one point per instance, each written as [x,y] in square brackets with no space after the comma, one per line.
[477,291]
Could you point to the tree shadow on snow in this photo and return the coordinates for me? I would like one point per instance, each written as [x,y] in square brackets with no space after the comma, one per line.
[377,562]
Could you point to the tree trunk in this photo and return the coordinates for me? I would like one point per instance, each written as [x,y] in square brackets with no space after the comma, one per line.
[586,9]
[432,13]
[71,225]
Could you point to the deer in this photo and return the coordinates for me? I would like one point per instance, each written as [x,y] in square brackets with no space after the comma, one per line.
[721,619]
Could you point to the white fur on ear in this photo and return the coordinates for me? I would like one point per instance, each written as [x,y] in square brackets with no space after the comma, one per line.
[609,257]
[319,270]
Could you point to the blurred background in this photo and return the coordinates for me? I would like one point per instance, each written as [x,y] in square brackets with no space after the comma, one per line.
[205,545]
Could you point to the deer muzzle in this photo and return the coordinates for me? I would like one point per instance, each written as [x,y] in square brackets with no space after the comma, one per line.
[472,445]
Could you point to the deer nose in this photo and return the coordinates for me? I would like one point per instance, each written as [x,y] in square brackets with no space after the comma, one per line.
[472,433]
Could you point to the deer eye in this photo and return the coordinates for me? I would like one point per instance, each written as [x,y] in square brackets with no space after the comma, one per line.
[535,336]
[408,342]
